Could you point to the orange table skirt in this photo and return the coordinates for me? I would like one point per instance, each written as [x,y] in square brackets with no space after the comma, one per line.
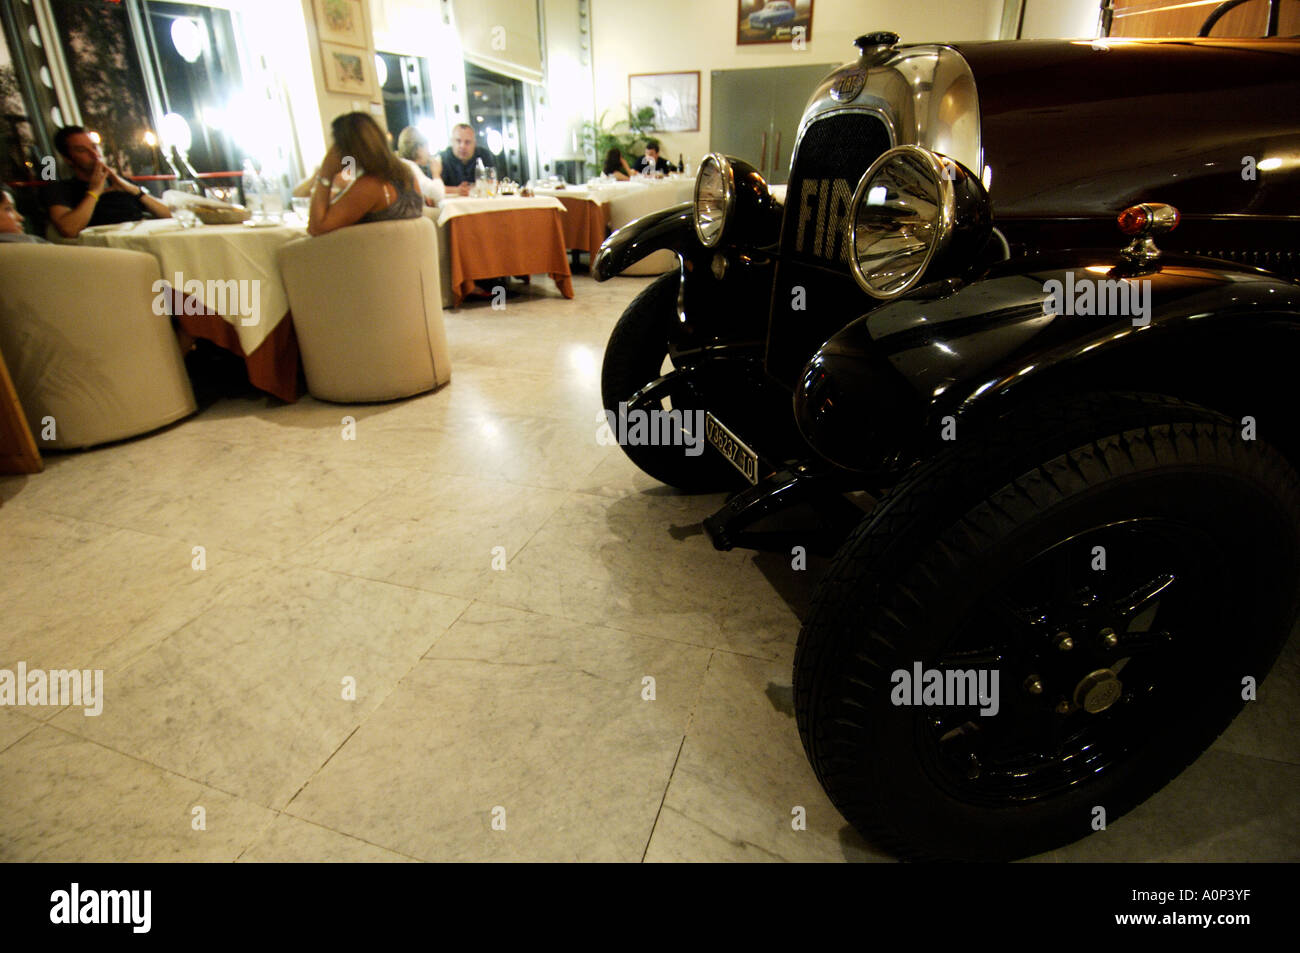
[510,242]
[584,224]
[272,368]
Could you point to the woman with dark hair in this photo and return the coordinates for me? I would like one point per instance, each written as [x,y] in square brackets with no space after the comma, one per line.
[384,188]
[11,221]
[616,165]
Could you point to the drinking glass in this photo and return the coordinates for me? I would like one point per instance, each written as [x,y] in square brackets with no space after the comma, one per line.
[272,200]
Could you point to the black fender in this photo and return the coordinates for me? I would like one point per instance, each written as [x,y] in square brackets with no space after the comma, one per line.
[720,313]
[670,228]
[880,393]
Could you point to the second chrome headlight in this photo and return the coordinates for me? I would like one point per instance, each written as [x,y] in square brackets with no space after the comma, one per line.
[915,215]
[715,198]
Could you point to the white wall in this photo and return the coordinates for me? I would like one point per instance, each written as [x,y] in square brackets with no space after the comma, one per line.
[567,99]
[426,28]
[674,35]
[1061,19]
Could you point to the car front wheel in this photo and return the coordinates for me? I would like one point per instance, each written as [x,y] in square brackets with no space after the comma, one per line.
[1045,623]
[637,355]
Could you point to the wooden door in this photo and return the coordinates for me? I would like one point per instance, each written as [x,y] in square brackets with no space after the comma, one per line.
[18,453]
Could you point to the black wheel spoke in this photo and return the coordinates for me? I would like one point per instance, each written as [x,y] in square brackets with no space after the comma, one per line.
[1144,597]
[1076,647]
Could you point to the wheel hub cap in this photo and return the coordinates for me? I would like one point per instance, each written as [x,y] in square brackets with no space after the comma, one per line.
[1098,690]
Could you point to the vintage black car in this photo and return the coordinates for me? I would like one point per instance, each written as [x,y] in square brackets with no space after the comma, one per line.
[1050,433]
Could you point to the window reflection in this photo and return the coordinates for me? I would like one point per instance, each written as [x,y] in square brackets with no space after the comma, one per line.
[107,79]
[198,76]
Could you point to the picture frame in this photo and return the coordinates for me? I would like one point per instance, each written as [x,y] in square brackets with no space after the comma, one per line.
[773,21]
[348,70]
[674,97]
[341,21]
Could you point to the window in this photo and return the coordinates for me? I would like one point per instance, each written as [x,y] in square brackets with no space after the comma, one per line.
[107,80]
[145,76]
[26,93]
[404,81]
[496,111]
[197,68]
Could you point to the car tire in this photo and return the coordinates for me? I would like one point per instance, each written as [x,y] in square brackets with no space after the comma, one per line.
[634,356]
[986,556]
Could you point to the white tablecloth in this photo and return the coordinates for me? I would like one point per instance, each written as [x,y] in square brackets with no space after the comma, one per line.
[453,206]
[627,201]
[213,253]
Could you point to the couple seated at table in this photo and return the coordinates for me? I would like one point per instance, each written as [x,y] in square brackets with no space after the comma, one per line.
[649,164]
[95,194]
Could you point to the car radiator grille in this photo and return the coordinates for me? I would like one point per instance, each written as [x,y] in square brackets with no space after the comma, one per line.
[815,294]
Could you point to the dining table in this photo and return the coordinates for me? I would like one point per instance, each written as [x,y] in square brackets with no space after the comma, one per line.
[225,287]
[603,206]
[499,236]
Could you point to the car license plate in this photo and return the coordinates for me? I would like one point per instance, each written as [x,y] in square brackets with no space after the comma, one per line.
[731,447]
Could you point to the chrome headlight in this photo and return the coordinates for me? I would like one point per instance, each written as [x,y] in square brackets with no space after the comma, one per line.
[715,198]
[915,214]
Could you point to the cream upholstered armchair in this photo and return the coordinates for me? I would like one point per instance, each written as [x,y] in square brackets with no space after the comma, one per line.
[367,308]
[84,346]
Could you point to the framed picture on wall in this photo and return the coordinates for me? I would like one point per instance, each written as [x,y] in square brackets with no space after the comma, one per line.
[773,21]
[341,21]
[674,97]
[348,70]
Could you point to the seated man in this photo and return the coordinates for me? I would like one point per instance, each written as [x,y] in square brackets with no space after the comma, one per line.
[11,221]
[652,161]
[95,195]
[459,158]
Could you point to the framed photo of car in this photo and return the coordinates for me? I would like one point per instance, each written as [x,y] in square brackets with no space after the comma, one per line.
[773,21]
[674,97]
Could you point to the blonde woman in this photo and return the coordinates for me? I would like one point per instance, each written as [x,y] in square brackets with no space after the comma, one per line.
[413,149]
[383,190]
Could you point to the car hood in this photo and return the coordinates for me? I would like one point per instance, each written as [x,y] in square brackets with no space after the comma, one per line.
[1081,129]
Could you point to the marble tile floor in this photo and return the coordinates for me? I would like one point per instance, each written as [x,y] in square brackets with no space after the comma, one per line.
[399,644]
